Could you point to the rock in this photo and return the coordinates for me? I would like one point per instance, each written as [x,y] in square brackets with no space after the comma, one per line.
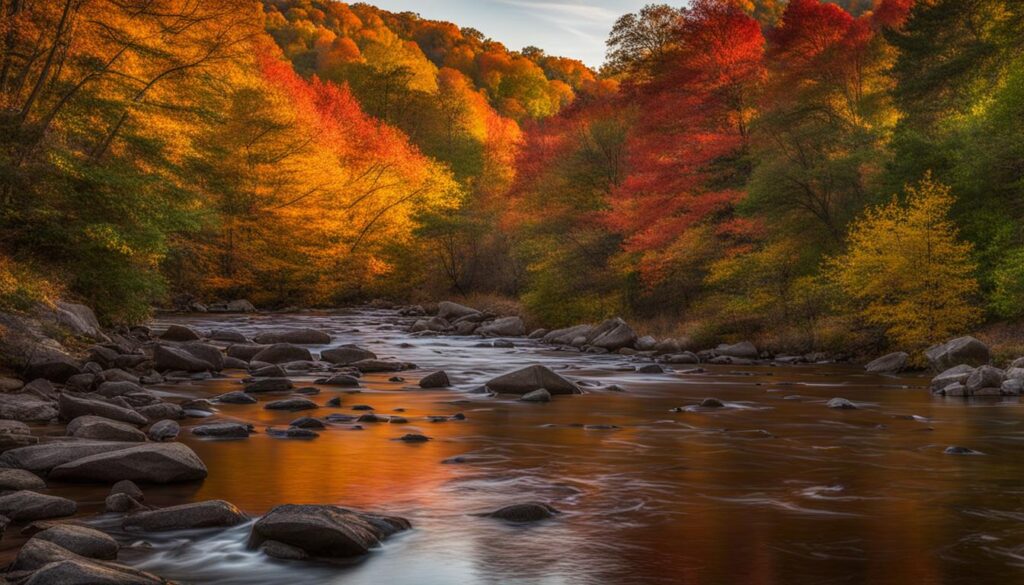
[208,514]
[244,351]
[687,357]
[612,335]
[541,395]
[291,404]
[237,397]
[344,380]
[522,513]
[292,433]
[325,531]
[180,333]
[76,318]
[103,429]
[164,430]
[307,422]
[280,353]
[72,408]
[333,402]
[282,551]
[53,370]
[451,311]
[43,457]
[504,327]
[223,430]
[1012,387]
[743,350]
[346,354]
[984,377]
[10,384]
[302,336]
[414,438]
[372,418]
[892,363]
[81,540]
[954,375]
[568,335]
[231,363]
[712,403]
[532,378]
[650,369]
[437,379]
[646,343]
[538,334]
[436,324]
[210,354]
[228,335]
[26,408]
[962,350]
[374,365]
[269,385]
[150,463]
[19,479]
[86,572]
[841,404]
[119,375]
[122,504]
[81,382]
[957,450]
[160,411]
[26,505]
[112,389]
[128,488]
[167,358]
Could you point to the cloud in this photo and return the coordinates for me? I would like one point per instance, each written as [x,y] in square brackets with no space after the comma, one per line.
[561,11]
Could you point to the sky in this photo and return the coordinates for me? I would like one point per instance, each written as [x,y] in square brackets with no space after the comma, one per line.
[567,28]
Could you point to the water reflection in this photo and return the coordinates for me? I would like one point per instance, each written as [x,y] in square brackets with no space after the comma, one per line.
[775,488]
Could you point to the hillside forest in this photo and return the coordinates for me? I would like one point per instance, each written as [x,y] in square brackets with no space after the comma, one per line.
[843,176]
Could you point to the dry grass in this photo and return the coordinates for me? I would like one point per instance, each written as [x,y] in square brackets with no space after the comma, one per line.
[1006,340]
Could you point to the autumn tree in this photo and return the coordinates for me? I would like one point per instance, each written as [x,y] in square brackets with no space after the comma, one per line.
[907,272]
[639,42]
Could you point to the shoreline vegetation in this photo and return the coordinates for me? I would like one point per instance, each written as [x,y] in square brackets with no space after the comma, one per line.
[838,177]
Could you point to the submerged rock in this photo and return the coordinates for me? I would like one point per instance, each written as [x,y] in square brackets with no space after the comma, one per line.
[325,531]
[541,395]
[522,513]
[841,404]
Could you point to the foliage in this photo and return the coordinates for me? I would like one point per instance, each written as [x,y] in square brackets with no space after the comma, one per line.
[907,272]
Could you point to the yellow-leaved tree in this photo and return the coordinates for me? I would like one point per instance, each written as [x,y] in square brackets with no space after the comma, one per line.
[906,270]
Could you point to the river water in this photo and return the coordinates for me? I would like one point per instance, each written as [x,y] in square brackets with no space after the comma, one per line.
[775,488]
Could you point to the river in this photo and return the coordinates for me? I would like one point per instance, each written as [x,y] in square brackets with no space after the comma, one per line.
[775,488]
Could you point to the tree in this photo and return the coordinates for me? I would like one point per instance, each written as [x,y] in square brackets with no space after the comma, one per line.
[638,42]
[906,271]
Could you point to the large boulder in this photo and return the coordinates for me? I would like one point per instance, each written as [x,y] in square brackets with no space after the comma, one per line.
[436,324]
[74,571]
[742,350]
[151,463]
[19,479]
[280,353]
[504,327]
[208,514]
[45,456]
[81,540]
[76,318]
[438,379]
[955,375]
[180,333]
[164,430]
[72,407]
[103,429]
[346,354]
[55,368]
[325,531]
[26,408]
[613,334]
[984,377]
[962,350]
[26,506]
[245,351]
[450,311]
[568,335]
[210,354]
[892,363]
[532,378]
[167,358]
[303,336]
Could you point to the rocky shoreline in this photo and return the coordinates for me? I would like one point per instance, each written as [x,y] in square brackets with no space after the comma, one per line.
[119,433]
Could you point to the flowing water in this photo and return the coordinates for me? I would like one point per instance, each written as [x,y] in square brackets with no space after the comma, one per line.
[775,488]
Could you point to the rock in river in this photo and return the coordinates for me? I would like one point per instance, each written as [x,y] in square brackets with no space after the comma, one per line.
[81,540]
[103,429]
[346,354]
[962,350]
[532,378]
[223,430]
[504,327]
[167,358]
[438,379]
[26,408]
[841,404]
[19,479]
[541,395]
[302,336]
[526,512]
[164,430]
[72,408]
[269,385]
[291,404]
[208,514]
[25,506]
[150,462]
[325,531]
[280,353]
[892,363]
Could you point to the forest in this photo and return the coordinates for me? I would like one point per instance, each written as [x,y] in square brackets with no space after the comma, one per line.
[844,177]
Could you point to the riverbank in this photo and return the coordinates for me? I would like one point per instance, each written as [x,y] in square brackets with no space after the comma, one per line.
[325,425]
